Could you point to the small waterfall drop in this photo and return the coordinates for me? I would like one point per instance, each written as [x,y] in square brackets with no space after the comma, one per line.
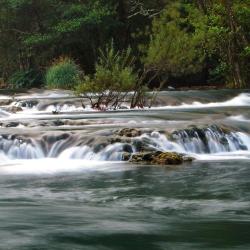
[210,140]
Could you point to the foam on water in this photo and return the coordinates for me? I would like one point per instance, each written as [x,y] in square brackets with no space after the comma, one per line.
[51,94]
[51,166]
[238,155]
[208,142]
[4,113]
[240,118]
[63,108]
[238,101]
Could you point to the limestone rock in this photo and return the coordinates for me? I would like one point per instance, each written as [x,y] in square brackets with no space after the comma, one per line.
[159,158]
[129,132]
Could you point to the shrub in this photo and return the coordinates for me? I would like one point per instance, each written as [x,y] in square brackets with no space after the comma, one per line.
[63,74]
[113,79]
[26,79]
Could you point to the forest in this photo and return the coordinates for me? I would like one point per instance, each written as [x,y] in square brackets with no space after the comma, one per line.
[157,43]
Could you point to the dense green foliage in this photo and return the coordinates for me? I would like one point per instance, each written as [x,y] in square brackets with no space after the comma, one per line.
[113,79]
[206,39]
[63,74]
[26,79]
[177,45]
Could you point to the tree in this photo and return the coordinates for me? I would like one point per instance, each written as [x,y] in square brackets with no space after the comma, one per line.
[178,41]
[230,26]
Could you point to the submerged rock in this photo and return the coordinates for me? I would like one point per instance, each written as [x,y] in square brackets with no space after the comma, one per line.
[14,109]
[55,112]
[129,132]
[29,103]
[159,158]
[58,123]
[12,125]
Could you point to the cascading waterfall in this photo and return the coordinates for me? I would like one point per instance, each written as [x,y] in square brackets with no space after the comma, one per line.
[210,140]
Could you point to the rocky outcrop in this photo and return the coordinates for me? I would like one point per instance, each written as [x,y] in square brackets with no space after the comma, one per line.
[159,158]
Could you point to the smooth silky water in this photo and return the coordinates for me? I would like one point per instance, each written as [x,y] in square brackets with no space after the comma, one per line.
[58,191]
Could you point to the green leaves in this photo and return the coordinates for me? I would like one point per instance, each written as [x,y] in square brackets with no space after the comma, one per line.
[63,74]
[78,16]
[26,79]
[177,44]
[114,72]
[172,38]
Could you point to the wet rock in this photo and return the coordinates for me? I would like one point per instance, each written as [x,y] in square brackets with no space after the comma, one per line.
[129,132]
[97,148]
[118,139]
[123,107]
[188,158]
[76,123]
[58,123]
[168,158]
[159,158]
[14,109]
[127,148]
[224,141]
[224,129]
[12,125]
[144,145]
[29,103]
[126,156]
[4,102]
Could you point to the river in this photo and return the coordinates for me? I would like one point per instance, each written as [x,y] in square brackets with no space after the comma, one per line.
[64,183]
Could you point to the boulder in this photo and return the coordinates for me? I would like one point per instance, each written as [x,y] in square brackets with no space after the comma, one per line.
[159,158]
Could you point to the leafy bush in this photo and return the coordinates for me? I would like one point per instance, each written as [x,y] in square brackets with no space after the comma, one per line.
[219,74]
[113,79]
[63,74]
[26,79]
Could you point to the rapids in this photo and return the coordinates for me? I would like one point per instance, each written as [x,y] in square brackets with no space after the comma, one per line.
[65,183]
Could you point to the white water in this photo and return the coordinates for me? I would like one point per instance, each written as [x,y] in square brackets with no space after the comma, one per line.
[238,101]
[30,153]
[240,118]
[50,166]
[210,141]
[242,100]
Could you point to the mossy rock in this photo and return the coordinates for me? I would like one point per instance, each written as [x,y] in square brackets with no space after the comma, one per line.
[129,132]
[168,158]
[126,156]
[159,158]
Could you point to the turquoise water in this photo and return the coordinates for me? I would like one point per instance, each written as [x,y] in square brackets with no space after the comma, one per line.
[58,192]
[195,206]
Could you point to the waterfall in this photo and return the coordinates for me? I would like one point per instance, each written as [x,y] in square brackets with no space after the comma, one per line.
[210,140]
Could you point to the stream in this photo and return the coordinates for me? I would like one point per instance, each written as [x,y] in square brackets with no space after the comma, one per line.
[65,184]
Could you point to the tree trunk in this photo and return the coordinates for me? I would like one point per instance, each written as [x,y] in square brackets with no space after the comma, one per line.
[235,43]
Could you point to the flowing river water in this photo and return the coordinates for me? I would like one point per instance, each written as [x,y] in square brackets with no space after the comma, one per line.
[64,182]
